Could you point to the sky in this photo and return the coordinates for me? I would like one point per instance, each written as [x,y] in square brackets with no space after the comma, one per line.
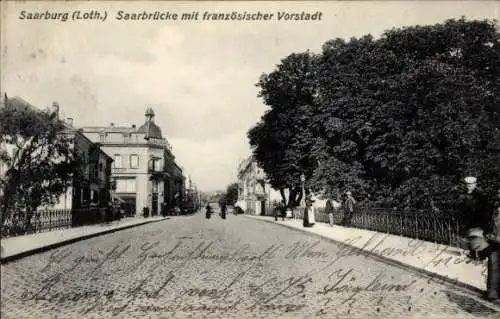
[198,76]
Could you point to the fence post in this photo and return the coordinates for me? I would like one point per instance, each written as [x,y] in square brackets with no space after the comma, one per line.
[416,226]
[400,225]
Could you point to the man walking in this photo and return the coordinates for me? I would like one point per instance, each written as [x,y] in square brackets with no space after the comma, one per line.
[348,207]
[480,218]
[329,209]
[474,206]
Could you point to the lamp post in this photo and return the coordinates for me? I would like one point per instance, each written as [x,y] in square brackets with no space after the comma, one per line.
[303,182]
[302,200]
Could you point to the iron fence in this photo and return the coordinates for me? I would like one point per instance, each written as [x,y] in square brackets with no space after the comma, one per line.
[442,228]
[23,223]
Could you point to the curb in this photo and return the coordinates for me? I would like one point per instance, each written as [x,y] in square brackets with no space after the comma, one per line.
[34,251]
[399,264]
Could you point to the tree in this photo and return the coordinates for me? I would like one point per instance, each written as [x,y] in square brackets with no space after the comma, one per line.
[282,140]
[42,162]
[403,118]
[232,194]
[398,120]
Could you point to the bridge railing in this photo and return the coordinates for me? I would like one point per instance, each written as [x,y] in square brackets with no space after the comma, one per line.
[23,223]
[441,228]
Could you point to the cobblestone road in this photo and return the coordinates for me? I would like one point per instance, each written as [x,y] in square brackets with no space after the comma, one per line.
[190,267]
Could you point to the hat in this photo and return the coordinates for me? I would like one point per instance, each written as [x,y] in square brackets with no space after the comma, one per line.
[348,193]
[470,180]
[476,239]
[475,232]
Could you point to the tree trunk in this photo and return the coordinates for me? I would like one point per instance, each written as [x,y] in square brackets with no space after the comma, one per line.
[283,197]
[7,195]
[299,197]
[295,196]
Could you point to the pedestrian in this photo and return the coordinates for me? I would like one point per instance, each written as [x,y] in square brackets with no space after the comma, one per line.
[223,211]
[348,207]
[208,211]
[493,279]
[329,209]
[283,209]
[308,219]
[473,204]
[481,223]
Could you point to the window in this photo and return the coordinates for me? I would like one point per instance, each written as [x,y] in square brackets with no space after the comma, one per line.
[125,185]
[155,187]
[94,197]
[157,165]
[134,161]
[118,161]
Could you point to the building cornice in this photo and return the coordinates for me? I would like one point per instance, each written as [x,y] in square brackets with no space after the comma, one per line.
[133,145]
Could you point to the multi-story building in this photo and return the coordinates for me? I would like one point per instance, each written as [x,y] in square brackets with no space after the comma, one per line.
[144,169]
[89,188]
[254,193]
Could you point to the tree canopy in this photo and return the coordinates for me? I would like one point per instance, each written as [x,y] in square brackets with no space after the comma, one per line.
[282,140]
[38,154]
[397,120]
[230,197]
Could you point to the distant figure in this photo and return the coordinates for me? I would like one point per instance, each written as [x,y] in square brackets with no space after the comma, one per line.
[308,220]
[223,212]
[330,210]
[283,209]
[474,209]
[208,211]
[348,206]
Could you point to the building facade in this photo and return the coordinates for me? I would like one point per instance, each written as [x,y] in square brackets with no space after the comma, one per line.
[90,187]
[144,169]
[255,195]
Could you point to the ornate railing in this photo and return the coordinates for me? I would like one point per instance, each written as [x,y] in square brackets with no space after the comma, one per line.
[22,223]
[45,220]
[442,228]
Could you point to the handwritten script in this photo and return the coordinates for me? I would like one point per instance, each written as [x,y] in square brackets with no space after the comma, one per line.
[202,276]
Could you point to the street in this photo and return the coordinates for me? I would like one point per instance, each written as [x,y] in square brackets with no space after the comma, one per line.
[190,266]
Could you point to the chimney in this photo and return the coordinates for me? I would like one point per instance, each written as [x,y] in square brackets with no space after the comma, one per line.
[69,120]
[112,124]
[133,125]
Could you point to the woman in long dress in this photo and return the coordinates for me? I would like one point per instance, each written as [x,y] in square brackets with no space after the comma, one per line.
[309,219]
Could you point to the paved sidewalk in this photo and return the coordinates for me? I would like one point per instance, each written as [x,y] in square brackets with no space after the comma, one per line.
[20,246]
[441,261]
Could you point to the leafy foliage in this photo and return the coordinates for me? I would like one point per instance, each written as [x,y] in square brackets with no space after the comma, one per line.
[230,197]
[282,139]
[41,162]
[399,120]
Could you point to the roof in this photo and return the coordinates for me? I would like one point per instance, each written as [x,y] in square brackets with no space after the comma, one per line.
[20,103]
[109,129]
[151,130]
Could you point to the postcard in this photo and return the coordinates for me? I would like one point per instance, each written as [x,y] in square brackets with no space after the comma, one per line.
[250,159]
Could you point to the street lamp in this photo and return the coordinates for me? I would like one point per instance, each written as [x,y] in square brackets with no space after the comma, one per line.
[303,181]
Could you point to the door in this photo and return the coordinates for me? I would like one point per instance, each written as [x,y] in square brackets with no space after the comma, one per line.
[154,204]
